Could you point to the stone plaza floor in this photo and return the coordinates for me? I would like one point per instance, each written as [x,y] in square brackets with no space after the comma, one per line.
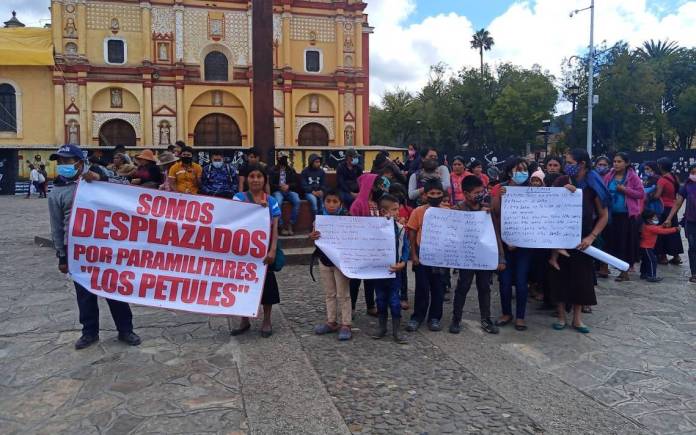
[635,373]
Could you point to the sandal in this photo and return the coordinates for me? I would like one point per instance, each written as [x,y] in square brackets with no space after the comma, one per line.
[675,261]
[623,277]
[267,333]
[582,329]
[586,310]
[559,326]
[520,327]
[693,279]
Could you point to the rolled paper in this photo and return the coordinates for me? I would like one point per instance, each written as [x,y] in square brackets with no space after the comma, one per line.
[606,258]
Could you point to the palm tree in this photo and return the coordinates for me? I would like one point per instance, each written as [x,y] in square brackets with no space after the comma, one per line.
[482,40]
[657,50]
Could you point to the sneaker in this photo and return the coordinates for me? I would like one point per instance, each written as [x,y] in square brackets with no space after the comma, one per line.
[488,326]
[130,338]
[86,341]
[345,334]
[455,328]
[434,325]
[413,325]
[325,328]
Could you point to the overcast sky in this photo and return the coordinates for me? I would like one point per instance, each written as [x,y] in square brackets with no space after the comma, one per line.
[411,35]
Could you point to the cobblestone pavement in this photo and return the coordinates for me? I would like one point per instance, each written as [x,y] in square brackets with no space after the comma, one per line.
[635,373]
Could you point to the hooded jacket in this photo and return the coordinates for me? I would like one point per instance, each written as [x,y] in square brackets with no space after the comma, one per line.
[635,194]
[290,178]
[361,206]
[313,178]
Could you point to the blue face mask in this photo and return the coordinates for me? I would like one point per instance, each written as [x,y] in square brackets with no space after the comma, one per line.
[217,165]
[602,170]
[355,160]
[571,169]
[67,171]
[520,177]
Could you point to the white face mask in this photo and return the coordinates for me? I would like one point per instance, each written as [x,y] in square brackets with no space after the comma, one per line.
[655,221]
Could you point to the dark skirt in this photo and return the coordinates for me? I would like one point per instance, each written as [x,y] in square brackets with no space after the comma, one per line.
[271,295]
[670,244]
[575,283]
[622,237]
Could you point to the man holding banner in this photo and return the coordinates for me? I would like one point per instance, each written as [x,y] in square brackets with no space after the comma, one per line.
[70,168]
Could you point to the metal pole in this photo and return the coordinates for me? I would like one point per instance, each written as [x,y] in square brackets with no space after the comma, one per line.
[590,75]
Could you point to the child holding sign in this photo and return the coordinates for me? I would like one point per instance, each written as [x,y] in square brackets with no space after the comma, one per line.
[388,289]
[474,195]
[336,284]
[429,284]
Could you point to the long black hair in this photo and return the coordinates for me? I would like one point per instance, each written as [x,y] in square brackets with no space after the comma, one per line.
[665,166]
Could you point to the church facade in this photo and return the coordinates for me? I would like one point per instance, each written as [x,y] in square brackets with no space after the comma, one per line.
[148,73]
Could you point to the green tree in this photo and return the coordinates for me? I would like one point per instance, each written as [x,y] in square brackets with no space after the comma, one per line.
[684,118]
[482,41]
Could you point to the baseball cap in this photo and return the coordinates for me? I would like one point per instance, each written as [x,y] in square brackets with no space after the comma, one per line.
[68,151]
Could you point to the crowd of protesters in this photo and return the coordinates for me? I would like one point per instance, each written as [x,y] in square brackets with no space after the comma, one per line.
[631,217]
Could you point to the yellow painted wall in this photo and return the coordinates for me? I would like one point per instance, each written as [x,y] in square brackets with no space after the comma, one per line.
[297,57]
[95,46]
[36,86]
[102,101]
[233,95]
[326,105]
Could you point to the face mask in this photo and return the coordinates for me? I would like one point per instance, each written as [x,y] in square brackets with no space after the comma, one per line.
[692,177]
[355,161]
[655,221]
[411,153]
[386,183]
[217,165]
[434,202]
[602,170]
[67,171]
[520,177]
[430,164]
[478,198]
[571,169]
[187,160]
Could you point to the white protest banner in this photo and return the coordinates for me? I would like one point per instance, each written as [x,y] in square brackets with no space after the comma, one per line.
[168,250]
[458,240]
[361,247]
[541,217]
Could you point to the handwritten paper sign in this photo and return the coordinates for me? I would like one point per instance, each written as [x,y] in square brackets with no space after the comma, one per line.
[458,240]
[361,247]
[541,217]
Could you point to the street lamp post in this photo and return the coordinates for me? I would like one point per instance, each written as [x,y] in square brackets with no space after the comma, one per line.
[590,75]
[574,92]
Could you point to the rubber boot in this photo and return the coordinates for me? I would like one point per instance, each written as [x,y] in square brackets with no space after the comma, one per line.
[396,331]
[382,328]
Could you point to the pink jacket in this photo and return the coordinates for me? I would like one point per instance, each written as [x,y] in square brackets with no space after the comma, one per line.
[635,195]
[361,206]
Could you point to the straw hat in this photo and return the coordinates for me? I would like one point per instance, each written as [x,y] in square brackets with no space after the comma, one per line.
[147,155]
[166,158]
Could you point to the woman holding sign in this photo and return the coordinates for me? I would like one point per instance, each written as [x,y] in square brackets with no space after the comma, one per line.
[518,260]
[573,283]
[627,194]
[256,180]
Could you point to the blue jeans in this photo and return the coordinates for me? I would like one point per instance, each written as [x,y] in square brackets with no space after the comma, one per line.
[316,203]
[518,264]
[691,238]
[430,294]
[294,199]
[388,297]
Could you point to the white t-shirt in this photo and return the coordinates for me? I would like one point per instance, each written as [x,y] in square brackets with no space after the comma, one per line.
[34,175]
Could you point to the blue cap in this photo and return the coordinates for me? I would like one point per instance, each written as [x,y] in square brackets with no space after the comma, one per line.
[68,151]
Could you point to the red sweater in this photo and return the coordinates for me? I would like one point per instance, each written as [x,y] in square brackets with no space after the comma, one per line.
[648,236]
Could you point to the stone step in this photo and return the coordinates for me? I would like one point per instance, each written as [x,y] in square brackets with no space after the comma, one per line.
[298,256]
[296,241]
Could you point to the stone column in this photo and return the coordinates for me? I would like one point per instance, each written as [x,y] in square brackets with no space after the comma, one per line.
[340,22]
[179,34]
[180,112]
[59,110]
[289,115]
[359,140]
[146,24]
[286,17]
[57,25]
[147,113]
[340,115]
[82,32]
[85,119]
